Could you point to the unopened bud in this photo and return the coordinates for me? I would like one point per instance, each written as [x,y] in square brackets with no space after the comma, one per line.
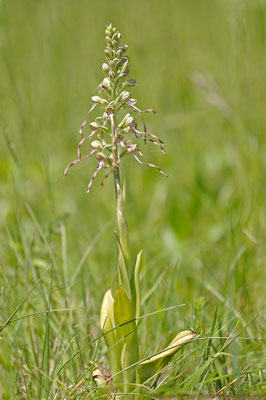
[94,125]
[125,66]
[108,29]
[112,63]
[100,156]
[108,53]
[96,144]
[133,101]
[105,68]
[132,148]
[124,119]
[124,96]
[131,83]
[98,100]
[106,84]
[114,37]
[127,120]
[124,59]
[111,74]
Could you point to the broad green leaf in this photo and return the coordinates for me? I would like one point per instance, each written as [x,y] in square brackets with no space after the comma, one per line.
[154,364]
[107,314]
[107,323]
[126,335]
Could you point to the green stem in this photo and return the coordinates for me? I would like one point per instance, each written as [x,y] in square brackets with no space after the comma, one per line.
[123,246]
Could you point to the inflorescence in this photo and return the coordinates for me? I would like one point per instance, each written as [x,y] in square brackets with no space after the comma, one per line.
[113,134]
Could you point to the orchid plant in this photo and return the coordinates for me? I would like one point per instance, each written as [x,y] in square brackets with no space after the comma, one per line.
[115,134]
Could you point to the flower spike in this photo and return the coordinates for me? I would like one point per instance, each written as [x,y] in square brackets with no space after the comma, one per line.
[117,128]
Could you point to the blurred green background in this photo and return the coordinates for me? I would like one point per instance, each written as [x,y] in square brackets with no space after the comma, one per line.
[202,66]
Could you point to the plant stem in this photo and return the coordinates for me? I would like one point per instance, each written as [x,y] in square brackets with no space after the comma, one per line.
[123,251]
[130,343]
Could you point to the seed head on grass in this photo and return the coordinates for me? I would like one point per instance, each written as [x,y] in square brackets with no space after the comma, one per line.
[114,134]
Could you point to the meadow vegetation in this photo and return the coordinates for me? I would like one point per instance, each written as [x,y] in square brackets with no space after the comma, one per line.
[201,65]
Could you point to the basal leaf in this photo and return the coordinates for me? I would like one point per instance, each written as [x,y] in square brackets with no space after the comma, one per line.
[126,335]
[154,364]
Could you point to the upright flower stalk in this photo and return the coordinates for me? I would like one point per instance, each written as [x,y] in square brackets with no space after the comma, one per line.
[113,136]
[123,240]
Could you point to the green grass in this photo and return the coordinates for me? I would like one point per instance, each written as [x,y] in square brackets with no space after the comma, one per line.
[201,65]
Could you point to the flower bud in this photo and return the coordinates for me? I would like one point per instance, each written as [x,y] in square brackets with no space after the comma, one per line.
[126,121]
[115,36]
[105,85]
[94,125]
[102,141]
[108,53]
[129,120]
[124,59]
[111,74]
[131,83]
[108,30]
[98,100]
[125,66]
[112,63]
[132,148]
[96,144]
[100,156]
[105,68]
[124,96]
[133,101]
